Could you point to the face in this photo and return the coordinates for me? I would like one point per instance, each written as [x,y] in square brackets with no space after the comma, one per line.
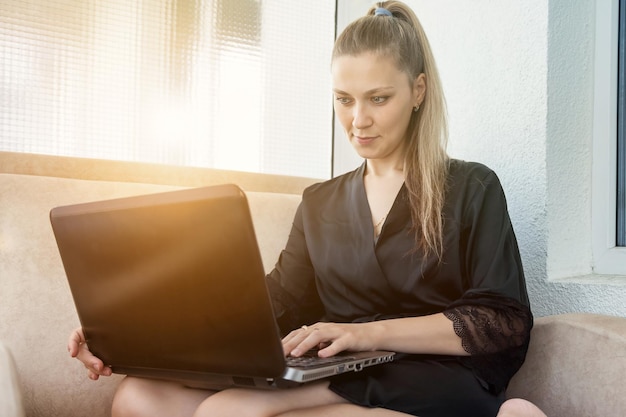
[374,102]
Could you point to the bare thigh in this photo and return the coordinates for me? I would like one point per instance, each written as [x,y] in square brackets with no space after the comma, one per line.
[138,397]
[342,410]
[266,403]
[517,407]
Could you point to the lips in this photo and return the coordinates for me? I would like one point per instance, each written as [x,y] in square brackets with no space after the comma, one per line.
[364,140]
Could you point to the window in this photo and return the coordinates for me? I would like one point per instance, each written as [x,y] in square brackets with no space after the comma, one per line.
[609,253]
[621,128]
[230,84]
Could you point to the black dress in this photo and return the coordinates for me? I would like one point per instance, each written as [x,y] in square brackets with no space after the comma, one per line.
[333,269]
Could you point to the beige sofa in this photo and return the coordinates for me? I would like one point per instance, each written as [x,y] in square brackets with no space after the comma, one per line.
[575,367]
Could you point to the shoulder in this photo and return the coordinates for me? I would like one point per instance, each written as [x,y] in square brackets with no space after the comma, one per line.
[459,168]
[466,174]
[472,183]
[342,185]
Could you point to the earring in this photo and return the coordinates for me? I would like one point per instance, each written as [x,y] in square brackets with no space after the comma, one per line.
[416,108]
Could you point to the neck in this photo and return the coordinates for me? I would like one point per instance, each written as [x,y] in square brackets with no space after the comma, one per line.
[384,169]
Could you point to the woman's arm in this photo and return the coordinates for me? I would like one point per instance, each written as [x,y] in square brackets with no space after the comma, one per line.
[291,283]
[486,326]
[433,334]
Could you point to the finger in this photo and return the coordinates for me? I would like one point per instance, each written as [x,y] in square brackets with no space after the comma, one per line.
[290,343]
[312,338]
[331,349]
[290,336]
[100,369]
[333,339]
[92,362]
[294,338]
[77,337]
[97,368]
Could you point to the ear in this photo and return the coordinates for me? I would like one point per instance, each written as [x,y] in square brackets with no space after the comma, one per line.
[419,89]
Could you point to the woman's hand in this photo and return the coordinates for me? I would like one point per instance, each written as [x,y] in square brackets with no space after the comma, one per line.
[330,338]
[77,347]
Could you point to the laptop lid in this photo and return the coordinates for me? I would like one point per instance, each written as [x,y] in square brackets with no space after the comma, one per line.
[172,282]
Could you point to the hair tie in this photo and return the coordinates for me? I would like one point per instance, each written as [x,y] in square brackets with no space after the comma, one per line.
[381,11]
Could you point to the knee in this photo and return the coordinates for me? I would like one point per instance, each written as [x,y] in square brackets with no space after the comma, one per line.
[131,399]
[235,402]
[517,407]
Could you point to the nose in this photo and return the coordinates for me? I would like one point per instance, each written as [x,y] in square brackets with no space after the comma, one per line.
[360,116]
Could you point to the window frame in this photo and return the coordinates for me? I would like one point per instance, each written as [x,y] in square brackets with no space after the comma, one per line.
[608,258]
[620,232]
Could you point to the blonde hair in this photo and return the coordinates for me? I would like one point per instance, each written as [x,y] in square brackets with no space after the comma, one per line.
[402,39]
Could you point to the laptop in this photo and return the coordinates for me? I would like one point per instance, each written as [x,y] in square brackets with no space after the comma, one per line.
[171,285]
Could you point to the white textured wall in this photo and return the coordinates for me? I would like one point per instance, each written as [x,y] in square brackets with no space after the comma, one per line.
[518,77]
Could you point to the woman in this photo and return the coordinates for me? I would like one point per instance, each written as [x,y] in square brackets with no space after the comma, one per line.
[412,252]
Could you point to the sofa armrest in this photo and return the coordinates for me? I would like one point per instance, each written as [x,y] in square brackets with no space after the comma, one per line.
[10,393]
[575,366]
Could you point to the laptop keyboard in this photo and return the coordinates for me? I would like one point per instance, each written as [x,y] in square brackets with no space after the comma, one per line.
[311,360]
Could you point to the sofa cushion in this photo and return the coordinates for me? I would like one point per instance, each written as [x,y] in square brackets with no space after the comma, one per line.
[576,365]
[10,391]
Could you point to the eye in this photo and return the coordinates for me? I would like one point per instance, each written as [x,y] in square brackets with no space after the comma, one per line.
[379,99]
[343,100]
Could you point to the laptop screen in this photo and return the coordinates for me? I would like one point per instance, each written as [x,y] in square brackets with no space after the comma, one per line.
[171,281]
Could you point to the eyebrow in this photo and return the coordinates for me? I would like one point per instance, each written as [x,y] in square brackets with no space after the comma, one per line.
[368,92]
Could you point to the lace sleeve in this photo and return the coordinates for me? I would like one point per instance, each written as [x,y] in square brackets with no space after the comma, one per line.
[495,331]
